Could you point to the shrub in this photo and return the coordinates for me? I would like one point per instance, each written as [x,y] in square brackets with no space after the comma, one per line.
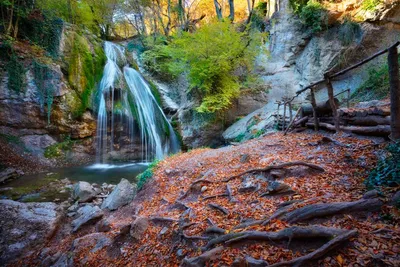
[349,31]
[57,150]
[387,172]
[314,16]
[376,86]
[16,74]
[145,176]
[370,5]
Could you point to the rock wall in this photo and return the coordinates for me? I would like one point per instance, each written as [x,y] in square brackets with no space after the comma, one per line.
[299,58]
[72,78]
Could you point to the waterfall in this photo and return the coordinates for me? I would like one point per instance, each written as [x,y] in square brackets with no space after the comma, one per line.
[129,120]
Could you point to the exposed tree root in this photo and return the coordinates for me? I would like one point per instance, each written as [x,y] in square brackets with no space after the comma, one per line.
[328,209]
[192,185]
[319,252]
[294,232]
[215,230]
[162,220]
[219,208]
[275,167]
[215,196]
[200,261]
[195,237]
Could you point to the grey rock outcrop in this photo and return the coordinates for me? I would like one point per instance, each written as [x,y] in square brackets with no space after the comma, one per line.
[87,214]
[83,191]
[23,226]
[123,193]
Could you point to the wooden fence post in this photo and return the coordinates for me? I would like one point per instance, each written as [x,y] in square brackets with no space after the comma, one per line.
[394,81]
[284,116]
[314,107]
[290,111]
[332,101]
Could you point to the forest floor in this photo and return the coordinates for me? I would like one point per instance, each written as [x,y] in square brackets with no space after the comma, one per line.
[201,208]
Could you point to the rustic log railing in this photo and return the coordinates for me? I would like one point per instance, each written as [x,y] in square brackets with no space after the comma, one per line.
[394,81]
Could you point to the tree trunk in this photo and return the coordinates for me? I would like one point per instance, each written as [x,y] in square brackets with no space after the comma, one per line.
[218,9]
[322,108]
[231,10]
[394,81]
[314,110]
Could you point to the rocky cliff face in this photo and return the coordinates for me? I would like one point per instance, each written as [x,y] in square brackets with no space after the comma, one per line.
[55,99]
[299,58]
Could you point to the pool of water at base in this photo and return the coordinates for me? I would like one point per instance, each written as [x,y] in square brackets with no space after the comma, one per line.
[48,186]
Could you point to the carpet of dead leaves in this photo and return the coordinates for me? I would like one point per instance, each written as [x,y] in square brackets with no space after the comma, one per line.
[346,166]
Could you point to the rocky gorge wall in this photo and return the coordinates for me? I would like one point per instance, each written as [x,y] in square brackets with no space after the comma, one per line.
[298,57]
[53,105]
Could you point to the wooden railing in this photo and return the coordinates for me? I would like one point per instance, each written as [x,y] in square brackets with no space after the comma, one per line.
[394,81]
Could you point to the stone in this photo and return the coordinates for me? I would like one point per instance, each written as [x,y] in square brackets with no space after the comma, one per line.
[244,158]
[139,227]
[65,260]
[396,199]
[87,214]
[83,192]
[163,231]
[38,143]
[103,226]
[203,189]
[279,188]
[10,174]
[123,194]
[23,226]
[94,241]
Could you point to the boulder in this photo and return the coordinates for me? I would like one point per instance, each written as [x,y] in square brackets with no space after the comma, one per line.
[23,226]
[138,227]
[95,242]
[83,192]
[87,214]
[123,193]
[103,226]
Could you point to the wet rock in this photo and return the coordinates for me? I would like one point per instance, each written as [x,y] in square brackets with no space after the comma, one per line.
[87,214]
[138,227]
[37,143]
[23,226]
[83,192]
[123,194]
[10,174]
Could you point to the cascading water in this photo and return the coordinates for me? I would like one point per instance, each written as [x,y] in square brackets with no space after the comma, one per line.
[128,112]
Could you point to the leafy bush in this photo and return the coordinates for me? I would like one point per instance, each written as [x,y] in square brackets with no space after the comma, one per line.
[239,138]
[145,176]
[376,86]
[370,5]
[387,172]
[297,5]
[314,16]
[349,31]
[16,74]
[57,150]
[210,56]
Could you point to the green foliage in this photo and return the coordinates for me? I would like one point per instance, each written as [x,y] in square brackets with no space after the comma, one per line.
[145,176]
[44,30]
[258,17]
[11,139]
[370,5]
[212,55]
[239,138]
[387,172]
[297,5]
[349,31]
[314,16]
[16,74]
[218,58]
[258,133]
[43,76]
[85,70]
[57,150]
[376,86]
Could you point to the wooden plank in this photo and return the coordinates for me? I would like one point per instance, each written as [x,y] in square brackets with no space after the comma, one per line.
[292,121]
[394,81]
[314,105]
